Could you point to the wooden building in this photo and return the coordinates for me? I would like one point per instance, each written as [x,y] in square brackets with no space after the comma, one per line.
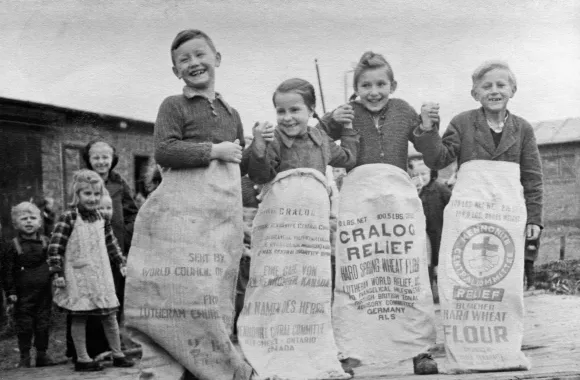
[40,149]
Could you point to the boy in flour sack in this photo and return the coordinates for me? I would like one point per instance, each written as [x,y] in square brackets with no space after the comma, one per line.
[285,327]
[187,242]
[383,314]
[496,203]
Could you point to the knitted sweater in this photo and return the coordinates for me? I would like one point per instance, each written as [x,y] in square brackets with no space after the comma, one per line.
[186,128]
[389,144]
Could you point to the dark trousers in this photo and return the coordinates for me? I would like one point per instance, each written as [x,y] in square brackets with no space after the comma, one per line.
[243,278]
[33,310]
[529,272]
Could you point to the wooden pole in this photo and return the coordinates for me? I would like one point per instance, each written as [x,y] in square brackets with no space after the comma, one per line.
[320,85]
[562,247]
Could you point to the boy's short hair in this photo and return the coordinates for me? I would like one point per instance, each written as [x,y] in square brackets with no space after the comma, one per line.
[487,66]
[24,208]
[189,34]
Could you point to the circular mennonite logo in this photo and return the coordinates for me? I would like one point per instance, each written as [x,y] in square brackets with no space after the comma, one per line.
[483,254]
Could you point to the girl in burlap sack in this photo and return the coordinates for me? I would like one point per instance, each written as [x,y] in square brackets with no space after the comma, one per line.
[292,160]
[80,252]
[496,205]
[385,126]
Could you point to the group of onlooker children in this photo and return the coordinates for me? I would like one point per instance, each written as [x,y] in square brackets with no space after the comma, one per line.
[73,256]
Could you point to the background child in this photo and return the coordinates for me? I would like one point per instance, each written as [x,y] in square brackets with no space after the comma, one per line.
[27,283]
[106,207]
[81,249]
[385,124]
[434,197]
[532,250]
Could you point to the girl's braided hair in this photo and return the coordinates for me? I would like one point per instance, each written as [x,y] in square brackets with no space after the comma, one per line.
[370,61]
[303,88]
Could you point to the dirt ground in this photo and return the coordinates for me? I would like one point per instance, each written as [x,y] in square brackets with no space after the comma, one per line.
[551,341]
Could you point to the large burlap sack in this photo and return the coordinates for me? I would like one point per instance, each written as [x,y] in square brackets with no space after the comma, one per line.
[182,271]
[383,307]
[285,328]
[481,269]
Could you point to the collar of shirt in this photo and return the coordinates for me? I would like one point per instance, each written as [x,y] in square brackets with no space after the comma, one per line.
[191,93]
[313,133]
[498,128]
[34,237]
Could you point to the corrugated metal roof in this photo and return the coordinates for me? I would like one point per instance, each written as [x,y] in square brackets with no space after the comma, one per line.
[557,131]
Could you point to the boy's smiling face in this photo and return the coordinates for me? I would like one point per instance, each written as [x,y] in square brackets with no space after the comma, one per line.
[494,91]
[195,63]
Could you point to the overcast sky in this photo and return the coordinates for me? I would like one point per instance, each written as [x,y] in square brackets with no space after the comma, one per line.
[113,57]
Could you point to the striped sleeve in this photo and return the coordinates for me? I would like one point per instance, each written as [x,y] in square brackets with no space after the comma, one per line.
[58,241]
[113,249]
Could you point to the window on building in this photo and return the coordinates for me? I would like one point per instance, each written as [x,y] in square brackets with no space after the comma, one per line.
[141,164]
[562,168]
[71,162]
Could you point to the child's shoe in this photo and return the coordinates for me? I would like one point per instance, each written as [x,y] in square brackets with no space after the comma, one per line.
[44,360]
[88,366]
[123,362]
[24,362]
[423,364]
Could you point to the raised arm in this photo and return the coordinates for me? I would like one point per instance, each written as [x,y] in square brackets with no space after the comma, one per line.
[58,242]
[438,152]
[345,154]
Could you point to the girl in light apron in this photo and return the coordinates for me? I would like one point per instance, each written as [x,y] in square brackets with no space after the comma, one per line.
[80,252]
[496,204]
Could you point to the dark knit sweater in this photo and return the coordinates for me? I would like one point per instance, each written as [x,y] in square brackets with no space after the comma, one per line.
[390,143]
[186,128]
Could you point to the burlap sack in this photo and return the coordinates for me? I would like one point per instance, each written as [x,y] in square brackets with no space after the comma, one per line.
[383,307]
[285,327]
[182,270]
[481,269]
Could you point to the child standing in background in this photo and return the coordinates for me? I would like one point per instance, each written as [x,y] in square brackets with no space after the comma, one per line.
[81,251]
[27,283]
[106,207]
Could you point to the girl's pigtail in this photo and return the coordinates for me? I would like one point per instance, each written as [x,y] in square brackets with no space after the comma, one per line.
[352,97]
[322,123]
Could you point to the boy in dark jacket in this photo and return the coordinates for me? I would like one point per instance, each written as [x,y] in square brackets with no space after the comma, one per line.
[27,283]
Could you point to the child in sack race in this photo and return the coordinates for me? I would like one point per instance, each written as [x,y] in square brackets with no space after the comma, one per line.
[385,126]
[291,161]
[81,251]
[27,283]
[499,169]
[191,226]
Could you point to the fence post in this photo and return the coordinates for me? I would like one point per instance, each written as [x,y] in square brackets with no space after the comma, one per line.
[562,247]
